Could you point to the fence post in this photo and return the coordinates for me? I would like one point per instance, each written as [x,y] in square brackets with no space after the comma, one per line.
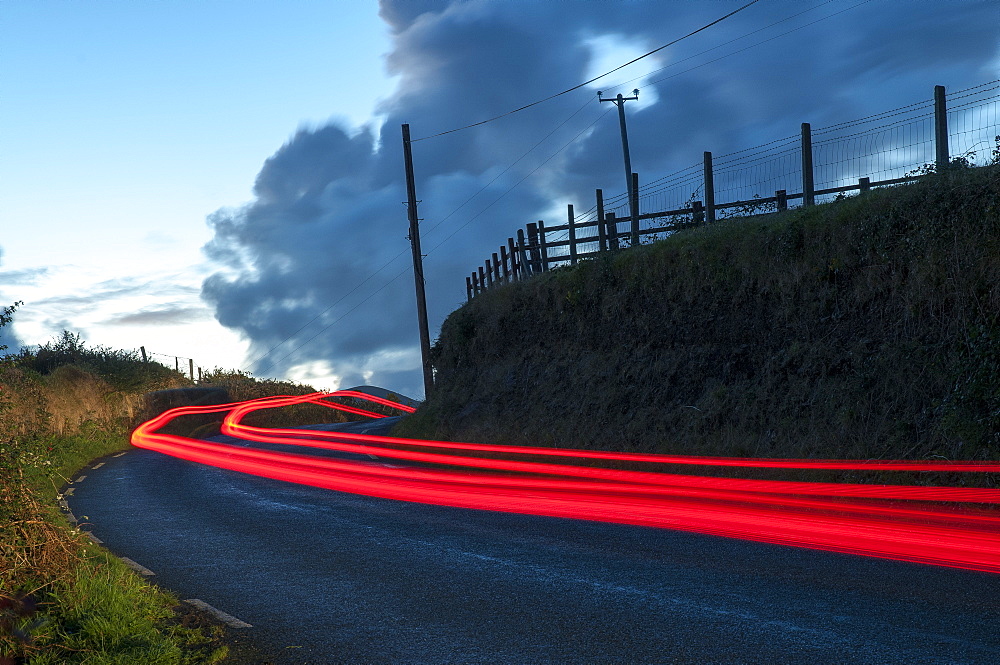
[808,197]
[612,230]
[536,255]
[177,364]
[709,189]
[865,184]
[782,199]
[635,207]
[476,290]
[543,246]
[496,268]
[199,375]
[940,129]
[602,234]
[482,280]
[522,256]
[191,368]
[572,234]
[697,212]
[489,274]
[468,289]
[142,350]
[513,259]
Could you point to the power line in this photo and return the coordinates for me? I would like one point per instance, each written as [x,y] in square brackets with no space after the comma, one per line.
[577,87]
[769,39]
[744,36]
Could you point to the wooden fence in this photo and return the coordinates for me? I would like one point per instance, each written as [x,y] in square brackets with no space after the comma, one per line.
[530,252]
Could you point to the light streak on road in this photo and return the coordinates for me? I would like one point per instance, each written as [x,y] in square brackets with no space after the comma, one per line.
[947,526]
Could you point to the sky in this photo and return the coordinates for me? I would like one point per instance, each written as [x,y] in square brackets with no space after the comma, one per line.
[222,180]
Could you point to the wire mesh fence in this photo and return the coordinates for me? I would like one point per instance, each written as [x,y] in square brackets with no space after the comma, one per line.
[961,128]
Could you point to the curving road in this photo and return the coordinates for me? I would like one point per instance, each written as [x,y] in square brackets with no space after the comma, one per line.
[326,577]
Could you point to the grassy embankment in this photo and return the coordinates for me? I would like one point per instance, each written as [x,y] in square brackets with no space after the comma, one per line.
[64,599]
[868,327]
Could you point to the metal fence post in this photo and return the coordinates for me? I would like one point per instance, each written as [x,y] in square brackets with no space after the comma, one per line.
[572,234]
[808,197]
[635,208]
[941,156]
[709,189]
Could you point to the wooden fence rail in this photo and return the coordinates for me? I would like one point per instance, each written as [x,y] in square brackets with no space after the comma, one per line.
[531,252]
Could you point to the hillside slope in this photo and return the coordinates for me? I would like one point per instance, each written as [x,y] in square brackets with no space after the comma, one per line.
[863,328]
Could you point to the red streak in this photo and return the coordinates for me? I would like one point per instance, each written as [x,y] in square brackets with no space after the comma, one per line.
[889,521]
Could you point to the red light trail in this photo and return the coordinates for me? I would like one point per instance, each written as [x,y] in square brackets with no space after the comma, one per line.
[925,524]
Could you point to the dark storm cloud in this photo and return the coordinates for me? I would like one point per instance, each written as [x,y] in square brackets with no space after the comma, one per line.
[328,213]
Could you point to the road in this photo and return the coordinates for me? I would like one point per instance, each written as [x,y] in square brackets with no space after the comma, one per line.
[326,577]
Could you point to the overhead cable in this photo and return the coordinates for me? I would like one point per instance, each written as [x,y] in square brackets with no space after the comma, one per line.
[577,87]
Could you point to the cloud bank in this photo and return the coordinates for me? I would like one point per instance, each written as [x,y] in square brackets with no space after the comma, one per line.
[327,213]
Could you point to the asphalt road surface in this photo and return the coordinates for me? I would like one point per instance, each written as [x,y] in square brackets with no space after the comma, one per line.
[326,577]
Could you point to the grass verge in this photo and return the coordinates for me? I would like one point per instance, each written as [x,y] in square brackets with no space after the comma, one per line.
[64,599]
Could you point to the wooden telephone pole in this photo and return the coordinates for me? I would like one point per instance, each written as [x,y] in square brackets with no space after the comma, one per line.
[418,264]
[633,195]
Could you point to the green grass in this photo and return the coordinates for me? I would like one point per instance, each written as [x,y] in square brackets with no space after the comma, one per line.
[109,616]
[90,607]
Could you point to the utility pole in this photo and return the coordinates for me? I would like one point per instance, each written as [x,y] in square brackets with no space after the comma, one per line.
[418,264]
[633,196]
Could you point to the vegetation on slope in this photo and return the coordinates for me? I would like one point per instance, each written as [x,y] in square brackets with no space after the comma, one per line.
[868,327]
[62,598]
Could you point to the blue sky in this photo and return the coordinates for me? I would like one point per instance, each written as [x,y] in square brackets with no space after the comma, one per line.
[222,180]
[125,124]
